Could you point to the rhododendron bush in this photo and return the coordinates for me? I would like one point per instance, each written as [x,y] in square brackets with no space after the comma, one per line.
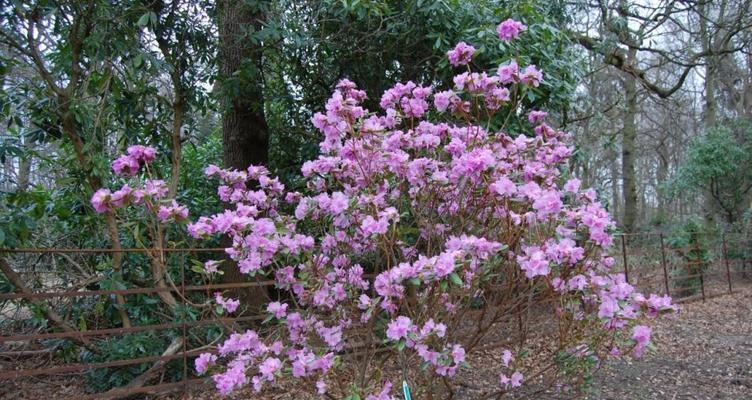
[422,232]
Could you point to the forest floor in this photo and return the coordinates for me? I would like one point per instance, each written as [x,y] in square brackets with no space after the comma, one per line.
[703,353]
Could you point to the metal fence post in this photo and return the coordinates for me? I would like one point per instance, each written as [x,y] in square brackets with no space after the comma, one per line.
[726,261]
[663,263]
[624,256]
[184,317]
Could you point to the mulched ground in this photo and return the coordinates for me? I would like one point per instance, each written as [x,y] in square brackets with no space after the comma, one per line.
[705,353]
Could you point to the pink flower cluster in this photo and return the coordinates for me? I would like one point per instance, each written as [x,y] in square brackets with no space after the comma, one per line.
[129,164]
[149,193]
[462,54]
[510,30]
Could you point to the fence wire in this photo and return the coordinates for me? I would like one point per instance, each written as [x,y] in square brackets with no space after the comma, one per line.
[42,290]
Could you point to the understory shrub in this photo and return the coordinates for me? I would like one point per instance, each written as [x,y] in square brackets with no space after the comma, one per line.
[424,229]
[691,242]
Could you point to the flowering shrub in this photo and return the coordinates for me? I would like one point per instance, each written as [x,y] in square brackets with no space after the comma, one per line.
[415,240]
[151,194]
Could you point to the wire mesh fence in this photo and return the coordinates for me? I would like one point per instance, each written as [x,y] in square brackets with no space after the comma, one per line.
[56,301]
[63,311]
[684,265]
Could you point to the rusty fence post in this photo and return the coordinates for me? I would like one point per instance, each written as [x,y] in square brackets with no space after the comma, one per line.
[184,317]
[726,261]
[624,257]
[665,268]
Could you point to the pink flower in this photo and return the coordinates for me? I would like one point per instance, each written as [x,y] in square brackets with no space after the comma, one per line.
[531,76]
[504,186]
[320,387]
[384,394]
[462,54]
[153,189]
[234,377]
[229,305]
[534,262]
[372,226]
[442,100]
[125,166]
[516,379]
[399,328]
[444,265]
[278,309]
[101,200]
[506,357]
[641,334]
[549,202]
[608,308]
[173,212]
[572,185]
[339,203]
[510,29]
[536,116]
[122,197]
[210,266]
[508,73]
[269,367]
[142,153]
[458,354]
[204,361]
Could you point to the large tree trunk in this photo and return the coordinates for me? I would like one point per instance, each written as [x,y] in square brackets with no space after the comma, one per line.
[629,137]
[245,134]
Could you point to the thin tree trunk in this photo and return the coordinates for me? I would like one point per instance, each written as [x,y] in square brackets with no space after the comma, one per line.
[615,192]
[24,168]
[629,138]
[710,106]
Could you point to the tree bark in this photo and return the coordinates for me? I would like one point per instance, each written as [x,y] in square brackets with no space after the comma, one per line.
[245,133]
[629,137]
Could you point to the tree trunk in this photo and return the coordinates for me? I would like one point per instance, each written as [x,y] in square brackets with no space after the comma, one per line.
[245,134]
[615,192]
[709,108]
[629,137]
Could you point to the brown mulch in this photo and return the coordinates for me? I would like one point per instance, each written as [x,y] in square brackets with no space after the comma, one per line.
[704,353]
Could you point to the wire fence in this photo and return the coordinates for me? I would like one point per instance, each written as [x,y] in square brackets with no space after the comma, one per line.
[45,288]
[55,300]
[687,266]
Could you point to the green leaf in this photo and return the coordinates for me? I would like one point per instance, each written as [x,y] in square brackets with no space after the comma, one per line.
[455,279]
[144,20]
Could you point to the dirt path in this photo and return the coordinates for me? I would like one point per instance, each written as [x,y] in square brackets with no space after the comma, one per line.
[705,353]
